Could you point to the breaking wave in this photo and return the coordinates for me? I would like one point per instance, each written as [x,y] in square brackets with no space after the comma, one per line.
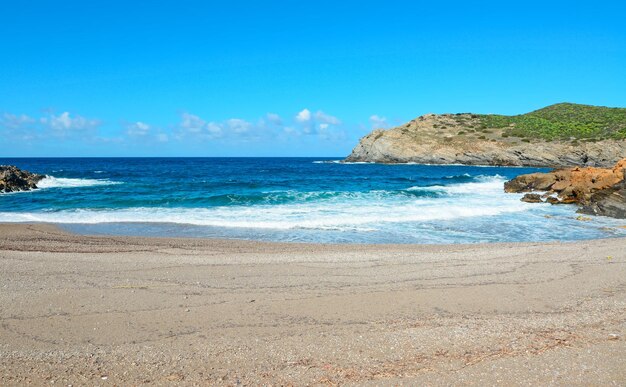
[60,182]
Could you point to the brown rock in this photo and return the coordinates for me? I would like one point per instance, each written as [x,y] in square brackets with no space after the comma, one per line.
[553,200]
[532,198]
[600,191]
[530,182]
[608,202]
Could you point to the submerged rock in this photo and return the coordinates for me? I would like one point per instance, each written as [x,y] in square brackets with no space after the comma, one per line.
[532,198]
[599,191]
[13,179]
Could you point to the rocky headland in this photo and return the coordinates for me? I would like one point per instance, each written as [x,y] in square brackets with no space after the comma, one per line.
[13,179]
[598,191]
[561,135]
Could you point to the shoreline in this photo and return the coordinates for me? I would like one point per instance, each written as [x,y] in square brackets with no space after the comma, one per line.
[96,310]
[65,228]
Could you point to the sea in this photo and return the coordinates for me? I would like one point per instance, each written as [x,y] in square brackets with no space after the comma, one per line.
[317,200]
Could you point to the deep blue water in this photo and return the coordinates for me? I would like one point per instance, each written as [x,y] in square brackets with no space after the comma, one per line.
[291,199]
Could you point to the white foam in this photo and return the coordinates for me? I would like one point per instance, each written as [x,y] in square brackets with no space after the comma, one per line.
[341,162]
[314,210]
[60,182]
[363,210]
[268,217]
[486,185]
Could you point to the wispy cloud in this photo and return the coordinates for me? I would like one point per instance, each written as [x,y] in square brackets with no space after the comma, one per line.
[138,129]
[304,124]
[239,126]
[313,124]
[378,122]
[274,119]
[270,126]
[64,125]
[12,121]
[324,118]
[192,125]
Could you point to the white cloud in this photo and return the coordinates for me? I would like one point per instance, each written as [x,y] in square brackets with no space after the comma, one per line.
[64,123]
[378,122]
[311,123]
[274,119]
[23,127]
[238,125]
[13,121]
[137,129]
[304,116]
[190,127]
[214,129]
[192,123]
[194,126]
[320,116]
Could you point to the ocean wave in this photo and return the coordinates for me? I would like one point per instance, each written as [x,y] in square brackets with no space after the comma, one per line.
[481,196]
[483,185]
[314,215]
[60,182]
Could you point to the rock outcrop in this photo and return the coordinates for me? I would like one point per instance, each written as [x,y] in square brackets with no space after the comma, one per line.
[599,191]
[13,179]
[394,146]
[474,139]
[609,202]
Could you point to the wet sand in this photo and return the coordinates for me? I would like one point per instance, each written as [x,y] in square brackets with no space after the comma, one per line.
[86,310]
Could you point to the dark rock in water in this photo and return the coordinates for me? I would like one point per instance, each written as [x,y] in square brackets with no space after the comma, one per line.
[532,198]
[556,200]
[13,179]
[553,200]
[609,202]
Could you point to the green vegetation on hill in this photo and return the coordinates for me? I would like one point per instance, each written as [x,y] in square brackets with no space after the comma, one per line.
[562,121]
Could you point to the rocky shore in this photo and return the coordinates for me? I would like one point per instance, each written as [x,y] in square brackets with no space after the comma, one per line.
[598,191]
[13,179]
[426,147]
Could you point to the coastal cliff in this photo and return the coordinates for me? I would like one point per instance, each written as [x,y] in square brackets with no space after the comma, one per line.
[556,136]
[13,179]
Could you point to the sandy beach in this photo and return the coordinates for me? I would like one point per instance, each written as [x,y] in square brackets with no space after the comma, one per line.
[97,310]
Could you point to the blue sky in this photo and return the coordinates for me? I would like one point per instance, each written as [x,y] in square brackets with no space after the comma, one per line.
[286,78]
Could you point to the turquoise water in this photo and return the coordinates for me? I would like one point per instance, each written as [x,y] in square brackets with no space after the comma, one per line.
[291,199]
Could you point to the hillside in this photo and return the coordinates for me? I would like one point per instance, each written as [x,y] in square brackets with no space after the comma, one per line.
[563,134]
